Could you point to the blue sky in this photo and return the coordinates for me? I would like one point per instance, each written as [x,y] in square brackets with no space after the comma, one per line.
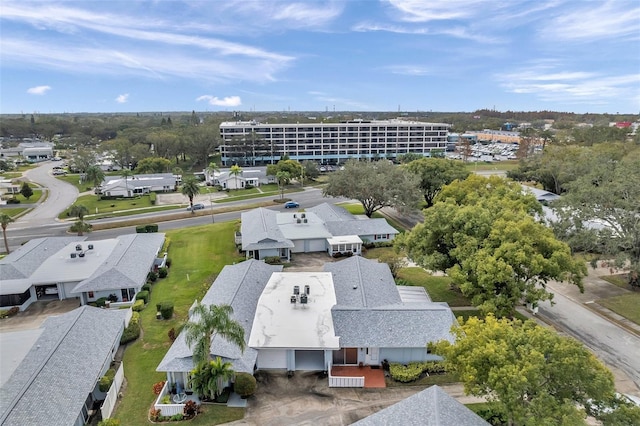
[369,55]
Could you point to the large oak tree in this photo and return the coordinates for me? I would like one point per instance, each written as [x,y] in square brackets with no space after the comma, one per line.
[434,173]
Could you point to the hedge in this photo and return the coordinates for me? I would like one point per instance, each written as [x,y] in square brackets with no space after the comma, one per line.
[143,229]
[152,277]
[273,260]
[132,332]
[107,380]
[166,310]
[138,305]
[163,272]
[413,370]
[245,384]
[101,302]
[147,287]
[152,198]
[143,295]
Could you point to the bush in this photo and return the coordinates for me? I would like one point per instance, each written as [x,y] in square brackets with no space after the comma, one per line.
[176,417]
[112,298]
[13,201]
[152,198]
[101,302]
[157,387]
[413,371]
[273,260]
[152,277]
[163,272]
[245,384]
[172,334]
[107,380]
[190,409]
[138,305]
[132,332]
[143,295]
[109,422]
[140,229]
[151,227]
[147,287]
[154,415]
[166,309]
[168,263]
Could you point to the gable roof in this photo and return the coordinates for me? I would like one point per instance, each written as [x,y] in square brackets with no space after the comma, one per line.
[66,361]
[237,285]
[260,230]
[431,407]
[331,213]
[340,222]
[22,262]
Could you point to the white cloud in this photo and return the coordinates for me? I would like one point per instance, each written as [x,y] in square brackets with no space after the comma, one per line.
[38,90]
[228,101]
[433,10]
[122,99]
[414,70]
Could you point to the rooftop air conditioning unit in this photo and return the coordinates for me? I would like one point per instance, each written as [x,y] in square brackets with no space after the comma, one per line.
[303,215]
[293,299]
[81,254]
[296,289]
[73,255]
[303,299]
[306,289]
[304,220]
[78,247]
[295,215]
[90,247]
[298,220]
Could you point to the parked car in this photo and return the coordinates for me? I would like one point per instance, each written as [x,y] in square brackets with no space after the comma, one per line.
[291,205]
[59,172]
[196,207]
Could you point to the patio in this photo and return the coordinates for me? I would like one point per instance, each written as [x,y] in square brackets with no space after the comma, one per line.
[373,377]
[177,401]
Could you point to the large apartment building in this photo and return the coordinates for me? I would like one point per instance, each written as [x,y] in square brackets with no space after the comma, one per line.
[254,143]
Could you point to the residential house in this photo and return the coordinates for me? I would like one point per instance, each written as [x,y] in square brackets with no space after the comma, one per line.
[351,313]
[55,381]
[430,407]
[226,180]
[326,227]
[71,267]
[33,151]
[131,186]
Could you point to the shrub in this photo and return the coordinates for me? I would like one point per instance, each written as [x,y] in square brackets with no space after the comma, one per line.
[157,387]
[168,263]
[405,374]
[13,201]
[138,305]
[273,260]
[152,277]
[245,384]
[172,334]
[152,198]
[4,314]
[141,229]
[190,408]
[147,287]
[176,417]
[154,415]
[12,311]
[163,272]
[107,380]
[165,400]
[132,332]
[166,309]
[112,298]
[109,422]
[101,302]
[143,295]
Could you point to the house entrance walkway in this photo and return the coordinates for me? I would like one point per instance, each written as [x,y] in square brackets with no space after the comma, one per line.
[373,377]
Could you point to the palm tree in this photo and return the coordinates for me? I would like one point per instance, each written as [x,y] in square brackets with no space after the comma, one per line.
[95,175]
[207,322]
[209,379]
[283,178]
[5,220]
[190,188]
[235,171]
[212,168]
[126,173]
[79,211]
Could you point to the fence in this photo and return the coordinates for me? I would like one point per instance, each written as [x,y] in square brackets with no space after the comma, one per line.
[112,396]
[344,381]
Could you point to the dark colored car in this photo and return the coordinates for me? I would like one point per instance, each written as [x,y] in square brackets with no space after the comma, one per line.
[291,205]
[196,207]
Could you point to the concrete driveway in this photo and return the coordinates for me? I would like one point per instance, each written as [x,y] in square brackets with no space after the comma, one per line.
[36,313]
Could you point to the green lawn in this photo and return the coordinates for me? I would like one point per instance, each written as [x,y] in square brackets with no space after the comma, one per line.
[13,212]
[439,288]
[625,305]
[620,280]
[91,202]
[74,179]
[242,195]
[502,165]
[197,255]
[37,193]
[10,175]
[357,209]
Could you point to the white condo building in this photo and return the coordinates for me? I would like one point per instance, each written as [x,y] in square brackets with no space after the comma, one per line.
[251,143]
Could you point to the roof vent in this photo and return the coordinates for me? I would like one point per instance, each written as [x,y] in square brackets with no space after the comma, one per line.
[303,215]
[90,247]
[304,220]
[295,215]
[73,255]
[296,289]
[298,220]
[306,289]
[81,254]
[293,299]
[78,247]
[303,299]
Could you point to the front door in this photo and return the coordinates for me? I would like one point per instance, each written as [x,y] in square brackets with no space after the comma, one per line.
[372,356]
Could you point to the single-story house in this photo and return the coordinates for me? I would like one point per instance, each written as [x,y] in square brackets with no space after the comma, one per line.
[430,407]
[229,181]
[541,195]
[325,227]
[118,186]
[350,313]
[33,151]
[71,267]
[56,369]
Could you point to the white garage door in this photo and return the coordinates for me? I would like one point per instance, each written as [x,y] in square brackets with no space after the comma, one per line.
[272,358]
[298,246]
[317,245]
[310,360]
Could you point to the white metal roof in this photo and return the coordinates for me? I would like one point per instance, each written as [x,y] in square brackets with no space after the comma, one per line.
[278,323]
[344,239]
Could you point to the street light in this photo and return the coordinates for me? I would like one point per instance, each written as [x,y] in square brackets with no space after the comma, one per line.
[211,205]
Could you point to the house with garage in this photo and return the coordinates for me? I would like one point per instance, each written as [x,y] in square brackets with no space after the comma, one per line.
[227,180]
[430,407]
[349,314]
[57,268]
[132,186]
[326,227]
[51,374]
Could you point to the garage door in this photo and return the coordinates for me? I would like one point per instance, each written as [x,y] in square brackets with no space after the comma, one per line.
[316,245]
[298,246]
[310,360]
[271,358]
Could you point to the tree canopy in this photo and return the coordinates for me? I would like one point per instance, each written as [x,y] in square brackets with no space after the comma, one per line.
[292,167]
[26,190]
[482,232]
[434,173]
[375,184]
[190,189]
[528,372]
[153,165]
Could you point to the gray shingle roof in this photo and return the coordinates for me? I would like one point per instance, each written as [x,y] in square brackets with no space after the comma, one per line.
[128,264]
[431,407]
[374,283]
[25,260]
[361,227]
[53,381]
[260,230]
[409,325]
[237,285]
[331,213]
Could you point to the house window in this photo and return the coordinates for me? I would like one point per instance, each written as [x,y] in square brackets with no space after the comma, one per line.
[90,294]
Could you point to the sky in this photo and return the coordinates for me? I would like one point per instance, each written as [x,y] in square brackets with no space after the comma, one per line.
[350,55]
